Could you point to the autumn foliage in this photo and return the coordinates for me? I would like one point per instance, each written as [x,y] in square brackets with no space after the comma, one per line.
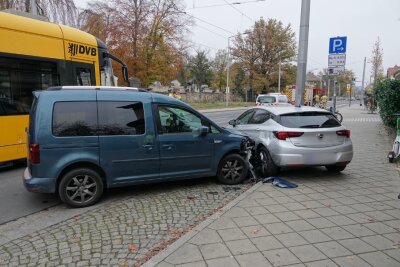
[146,34]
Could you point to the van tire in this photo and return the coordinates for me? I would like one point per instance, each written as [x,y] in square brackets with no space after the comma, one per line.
[78,183]
[232,169]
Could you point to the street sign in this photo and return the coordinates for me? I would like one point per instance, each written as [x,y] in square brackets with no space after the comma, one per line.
[337,70]
[337,45]
[336,60]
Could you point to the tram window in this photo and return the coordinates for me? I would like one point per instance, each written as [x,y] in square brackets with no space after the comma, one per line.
[19,77]
[83,77]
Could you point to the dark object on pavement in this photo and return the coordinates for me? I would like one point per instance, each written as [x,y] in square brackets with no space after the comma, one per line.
[279,182]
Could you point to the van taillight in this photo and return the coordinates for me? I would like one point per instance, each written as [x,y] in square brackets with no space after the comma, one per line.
[284,135]
[34,153]
[343,133]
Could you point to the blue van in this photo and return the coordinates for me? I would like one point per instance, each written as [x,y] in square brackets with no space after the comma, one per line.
[85,139]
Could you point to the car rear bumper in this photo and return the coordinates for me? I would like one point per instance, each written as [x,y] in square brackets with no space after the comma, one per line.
[290,155]
[38,185]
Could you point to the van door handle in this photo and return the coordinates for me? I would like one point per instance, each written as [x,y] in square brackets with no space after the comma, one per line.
[149,147]
[169,147]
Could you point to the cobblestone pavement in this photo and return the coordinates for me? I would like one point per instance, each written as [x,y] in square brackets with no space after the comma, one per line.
[125,232]
[348,219]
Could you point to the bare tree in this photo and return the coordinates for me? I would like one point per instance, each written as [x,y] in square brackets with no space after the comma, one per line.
[60,11]
[377,60]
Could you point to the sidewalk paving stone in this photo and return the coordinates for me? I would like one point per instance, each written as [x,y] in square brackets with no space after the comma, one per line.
[252,259]
[281,257]
[379,259]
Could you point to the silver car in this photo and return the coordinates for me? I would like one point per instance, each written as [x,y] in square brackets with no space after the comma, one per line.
[291,136]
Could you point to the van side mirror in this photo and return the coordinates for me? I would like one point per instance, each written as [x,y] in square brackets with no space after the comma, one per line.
[204,130]
[233,122]
[125,73]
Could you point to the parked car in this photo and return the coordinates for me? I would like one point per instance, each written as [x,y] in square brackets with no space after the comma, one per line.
[272,99]
[292,136]
[85,139]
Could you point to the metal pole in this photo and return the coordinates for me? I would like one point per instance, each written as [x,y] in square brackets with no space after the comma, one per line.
[227,77]
[329,85]
[303,49]
[363,79]
[334,95]
[279,77]
[350,97]
[34,7]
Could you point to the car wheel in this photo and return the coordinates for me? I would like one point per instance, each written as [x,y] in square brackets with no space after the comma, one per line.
[335,168]
[267,166]
[232,169]
[80,188]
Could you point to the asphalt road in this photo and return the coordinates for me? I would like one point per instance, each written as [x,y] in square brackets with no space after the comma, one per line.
[16,202]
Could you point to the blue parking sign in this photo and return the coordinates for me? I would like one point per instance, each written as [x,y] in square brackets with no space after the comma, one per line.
[337,45]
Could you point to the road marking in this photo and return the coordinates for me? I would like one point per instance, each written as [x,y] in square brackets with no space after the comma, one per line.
[362,120]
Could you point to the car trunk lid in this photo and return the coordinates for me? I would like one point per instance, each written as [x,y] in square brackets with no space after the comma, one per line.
[318,138]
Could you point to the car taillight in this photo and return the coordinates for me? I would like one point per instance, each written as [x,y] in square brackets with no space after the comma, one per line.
[34,153]
[343,133]
[258,104]
[284,135]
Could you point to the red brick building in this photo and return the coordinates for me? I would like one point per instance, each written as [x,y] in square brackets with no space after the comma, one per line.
[393,73]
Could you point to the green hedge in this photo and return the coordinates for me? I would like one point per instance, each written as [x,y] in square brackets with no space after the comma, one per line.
[388,96]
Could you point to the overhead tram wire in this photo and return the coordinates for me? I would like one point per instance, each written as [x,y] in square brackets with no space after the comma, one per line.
[204,28]
[200,44]
[238,10]
[206,22]
[234,3]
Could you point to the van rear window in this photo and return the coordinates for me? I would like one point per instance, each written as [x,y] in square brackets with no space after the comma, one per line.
[308,120]
[75,118]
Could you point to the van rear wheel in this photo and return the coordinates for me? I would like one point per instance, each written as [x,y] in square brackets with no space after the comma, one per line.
[80,188]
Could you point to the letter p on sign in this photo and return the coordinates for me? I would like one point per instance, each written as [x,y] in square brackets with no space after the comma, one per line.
[337,45]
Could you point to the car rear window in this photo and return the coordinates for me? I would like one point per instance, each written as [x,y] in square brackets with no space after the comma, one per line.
[266,99]
[308,120]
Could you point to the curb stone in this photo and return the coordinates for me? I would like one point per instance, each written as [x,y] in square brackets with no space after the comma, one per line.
[182,240]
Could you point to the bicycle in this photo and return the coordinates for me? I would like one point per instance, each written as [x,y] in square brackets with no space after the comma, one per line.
[395,152]
[371,106]
[337,114]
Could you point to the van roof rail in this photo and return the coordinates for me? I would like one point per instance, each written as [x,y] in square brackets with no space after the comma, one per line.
[134,89]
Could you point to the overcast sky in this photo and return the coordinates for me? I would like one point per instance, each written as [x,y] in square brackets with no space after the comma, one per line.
[362,21]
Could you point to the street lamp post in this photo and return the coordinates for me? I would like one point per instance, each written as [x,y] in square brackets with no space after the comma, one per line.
[303,49]
[227,74]
[279,76]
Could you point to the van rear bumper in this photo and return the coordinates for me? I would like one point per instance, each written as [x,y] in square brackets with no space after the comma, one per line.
[38,185]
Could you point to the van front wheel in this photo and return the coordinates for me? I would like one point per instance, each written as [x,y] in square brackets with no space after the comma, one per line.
[232,169]
[80,188]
